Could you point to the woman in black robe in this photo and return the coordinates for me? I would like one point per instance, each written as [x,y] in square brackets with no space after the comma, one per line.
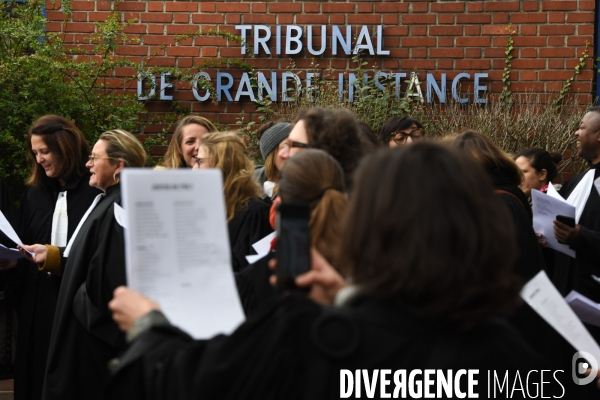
[247,213]
[84,338]
[429,282]
[57,196]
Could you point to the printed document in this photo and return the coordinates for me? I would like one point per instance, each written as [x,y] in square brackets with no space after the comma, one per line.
[177,247]
[545,210]
[586,309]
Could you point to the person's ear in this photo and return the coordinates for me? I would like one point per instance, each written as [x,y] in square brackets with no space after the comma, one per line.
[120,166]
[543,175]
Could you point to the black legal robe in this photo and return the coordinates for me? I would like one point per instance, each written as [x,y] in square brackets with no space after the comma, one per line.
[294,349]
[84,336]
[35,293]
[576,273]
[247,227]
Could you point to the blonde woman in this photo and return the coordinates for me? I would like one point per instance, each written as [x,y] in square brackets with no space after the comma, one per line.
[186,141]
[247,213]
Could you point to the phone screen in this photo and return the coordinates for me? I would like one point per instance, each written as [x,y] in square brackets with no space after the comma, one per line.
[293,243]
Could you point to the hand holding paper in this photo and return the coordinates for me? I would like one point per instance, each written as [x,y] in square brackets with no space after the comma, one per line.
[545,210]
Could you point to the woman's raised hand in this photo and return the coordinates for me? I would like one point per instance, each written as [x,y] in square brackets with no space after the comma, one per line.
[128,305]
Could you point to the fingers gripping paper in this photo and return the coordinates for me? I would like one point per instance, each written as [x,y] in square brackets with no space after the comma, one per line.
[177,248]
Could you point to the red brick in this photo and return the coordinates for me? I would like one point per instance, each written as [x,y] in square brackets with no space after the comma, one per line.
[365,7]
[208,18]
[529,41]
[473,53]
[494,30]
[472,64]
[259,8]
[502,5]
[233,7]
[554,75]
[104,5]
[579,40]
[528,64]
[208,7]
[556,64]
[146,17]
[528,52]
[127,6]
[556,17]
[78,27]
[428,19]
[555,5]
[183,51]
[528,18]
[181,7]
[419,7]
[82,5]
[556,41]
[527,87]
[580,17]
[154,40]
[387,19]
[475,6]
[531,5]
[362,19]
[494,53]
[528,75]
[472,30]
[175,29]
[155,6]
[528,30]
[446,53]
[389,7]
[61,16]
[181,18]
[473,19]
[445,64]
[419,53]
[557,30]
[587,5]
[312,8]
[154,29]
[418,64]
[340,19]
[287,8]
[255,19]
[445,30]
[457,7]
[132,50]
[445,18]
[500,18]
[585,29]
[418,30]
[418,42]
[446,42]
[483,41]
[398,30]
[140,29]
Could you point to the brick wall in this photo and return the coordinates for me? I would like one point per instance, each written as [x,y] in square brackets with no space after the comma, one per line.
[429,36]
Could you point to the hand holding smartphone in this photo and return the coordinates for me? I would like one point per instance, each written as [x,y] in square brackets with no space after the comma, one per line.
[569,221]
[293,244]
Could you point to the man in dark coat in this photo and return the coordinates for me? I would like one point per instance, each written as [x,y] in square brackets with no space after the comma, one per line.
[579,273]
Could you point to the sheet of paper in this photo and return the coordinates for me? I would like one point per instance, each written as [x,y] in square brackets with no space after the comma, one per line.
[553,193]
[597,184]
[586,309]
[545,210]
[9,254]
[545,299]
[177,247]
[262,248]
[8,230]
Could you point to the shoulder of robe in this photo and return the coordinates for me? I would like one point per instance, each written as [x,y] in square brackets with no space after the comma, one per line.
[335,332]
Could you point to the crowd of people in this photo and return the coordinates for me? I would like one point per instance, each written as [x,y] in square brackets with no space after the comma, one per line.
[419,249]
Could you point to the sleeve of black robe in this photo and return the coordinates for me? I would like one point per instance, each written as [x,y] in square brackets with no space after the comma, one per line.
[264,356]
[247,228]
[106,271]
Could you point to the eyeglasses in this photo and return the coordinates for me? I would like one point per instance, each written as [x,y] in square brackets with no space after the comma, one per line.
[300,145]
[200,161]
[93,158]
[401,137]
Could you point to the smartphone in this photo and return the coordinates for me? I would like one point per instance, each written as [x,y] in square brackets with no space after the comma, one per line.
[293,243]
[566,220]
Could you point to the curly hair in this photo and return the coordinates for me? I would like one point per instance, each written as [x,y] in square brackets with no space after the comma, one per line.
[227,152]
[337,133]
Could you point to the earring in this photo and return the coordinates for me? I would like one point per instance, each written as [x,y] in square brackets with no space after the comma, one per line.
[115,178]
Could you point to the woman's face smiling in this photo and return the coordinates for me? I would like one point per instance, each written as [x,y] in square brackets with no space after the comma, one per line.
[101,169]
[190,142]
[44,156]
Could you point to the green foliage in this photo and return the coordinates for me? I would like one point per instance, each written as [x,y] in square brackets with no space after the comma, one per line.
[564,91]
[505,97]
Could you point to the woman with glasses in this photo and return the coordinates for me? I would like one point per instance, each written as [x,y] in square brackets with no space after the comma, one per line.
[186,141]
[55,199]
[400,131]
[84,337]
[247,213]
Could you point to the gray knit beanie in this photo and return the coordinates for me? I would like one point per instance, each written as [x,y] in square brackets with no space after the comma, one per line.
[273,136]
